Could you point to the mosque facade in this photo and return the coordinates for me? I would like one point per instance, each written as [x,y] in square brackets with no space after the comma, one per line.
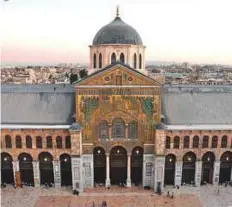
[117,125]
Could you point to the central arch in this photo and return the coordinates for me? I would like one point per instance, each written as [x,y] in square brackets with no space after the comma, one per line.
[188,173]
[118,165]
[207,167]
[225,167]
[7,175]
[46,168]
[66,170]
[137,165]
[169,176]
[26,169]
[99,158]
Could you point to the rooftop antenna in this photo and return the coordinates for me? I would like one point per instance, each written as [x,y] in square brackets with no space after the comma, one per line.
[117,11]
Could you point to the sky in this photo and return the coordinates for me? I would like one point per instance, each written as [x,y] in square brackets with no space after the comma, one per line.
[58,31]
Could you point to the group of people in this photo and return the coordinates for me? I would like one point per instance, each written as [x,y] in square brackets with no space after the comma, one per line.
[49,185]
[104,204]
[170,196]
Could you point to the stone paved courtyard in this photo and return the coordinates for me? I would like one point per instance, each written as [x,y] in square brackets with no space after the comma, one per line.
[205,196]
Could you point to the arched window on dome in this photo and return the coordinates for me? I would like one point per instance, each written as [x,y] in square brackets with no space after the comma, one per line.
[113,58]
[135,61]
[122,58]
[140,61]
[100,60]
[94,61]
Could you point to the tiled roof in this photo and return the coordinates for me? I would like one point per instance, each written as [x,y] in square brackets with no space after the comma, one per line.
[37,104]
[194,104]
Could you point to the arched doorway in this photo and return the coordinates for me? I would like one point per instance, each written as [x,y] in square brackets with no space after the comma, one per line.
[188,171]
[170,166]
[99,165]
[137,165]
[7,175]
[207,167]
[118,165]
[46,168]
[26,169]
[225,167]
[66,170]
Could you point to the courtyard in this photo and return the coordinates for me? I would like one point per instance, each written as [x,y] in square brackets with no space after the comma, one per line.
[205,196]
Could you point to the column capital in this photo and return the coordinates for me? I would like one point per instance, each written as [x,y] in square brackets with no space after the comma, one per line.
[129,154]
[107,154]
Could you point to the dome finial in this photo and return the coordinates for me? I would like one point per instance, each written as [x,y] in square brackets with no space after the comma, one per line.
[117,11]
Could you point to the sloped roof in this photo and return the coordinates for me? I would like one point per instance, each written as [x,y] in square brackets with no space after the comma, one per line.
[37,104]
[196,104]
[55,104]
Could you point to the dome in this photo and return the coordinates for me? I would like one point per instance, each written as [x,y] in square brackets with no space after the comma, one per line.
[117,32]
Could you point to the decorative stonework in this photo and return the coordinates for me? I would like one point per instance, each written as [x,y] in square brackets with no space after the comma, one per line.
[142,105]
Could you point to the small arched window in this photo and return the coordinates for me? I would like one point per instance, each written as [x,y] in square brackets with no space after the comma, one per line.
[18,142]
[195,142]
[133,130]
[94,61]
[59,142]
[49,142]
[135,61]
[100,60]
[118,129]
[140,61]
[205,143]
[176,142]
[28,141]
[113,58]
[8,141]
[38,142]
[68,142]
[168,143]
[214,141]
[122,58]
[186,142]
[224,142]
[103,130]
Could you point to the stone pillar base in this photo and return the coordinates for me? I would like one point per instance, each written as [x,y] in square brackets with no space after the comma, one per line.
[107,183]
[128,183]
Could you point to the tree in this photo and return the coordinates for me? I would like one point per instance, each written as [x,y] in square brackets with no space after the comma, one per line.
[73,78]
[83,73]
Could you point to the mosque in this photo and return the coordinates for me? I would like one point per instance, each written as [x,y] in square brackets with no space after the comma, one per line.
[117,125]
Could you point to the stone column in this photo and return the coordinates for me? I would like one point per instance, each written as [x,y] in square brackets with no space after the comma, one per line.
[15,169]
[126,132]
[36,172]
[88,173]
[159,172]
[110,131]
[77,180]
[56,170]
[148,179]
[198,170]
[107,169]
[216,172]
[128,180]
[178,172]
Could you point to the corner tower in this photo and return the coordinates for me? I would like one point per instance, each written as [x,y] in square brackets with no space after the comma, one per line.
[117,42]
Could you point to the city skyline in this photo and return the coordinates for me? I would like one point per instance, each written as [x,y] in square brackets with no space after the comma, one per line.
[61,31]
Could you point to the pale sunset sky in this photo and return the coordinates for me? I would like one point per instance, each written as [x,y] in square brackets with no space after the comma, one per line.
[55,31]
